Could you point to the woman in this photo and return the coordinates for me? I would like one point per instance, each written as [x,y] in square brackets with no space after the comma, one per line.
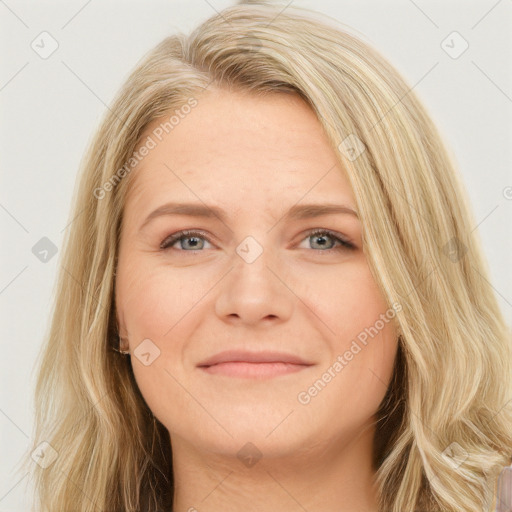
[271,296]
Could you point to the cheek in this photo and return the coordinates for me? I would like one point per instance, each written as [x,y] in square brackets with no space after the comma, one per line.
[362,350]
[364,332]
[152,300]
[352,302]
[153,305]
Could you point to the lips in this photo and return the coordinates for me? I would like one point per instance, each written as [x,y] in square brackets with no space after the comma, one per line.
[243,364]
[239,356]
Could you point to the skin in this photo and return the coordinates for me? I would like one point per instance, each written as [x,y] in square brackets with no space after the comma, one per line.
[256,157]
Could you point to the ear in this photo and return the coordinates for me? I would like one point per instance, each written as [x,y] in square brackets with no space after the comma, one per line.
[123,343]
[122,331]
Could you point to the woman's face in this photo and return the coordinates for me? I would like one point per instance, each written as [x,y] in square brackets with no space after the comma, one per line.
[251,281]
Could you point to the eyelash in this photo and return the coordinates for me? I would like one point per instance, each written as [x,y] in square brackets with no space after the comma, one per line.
[176,237]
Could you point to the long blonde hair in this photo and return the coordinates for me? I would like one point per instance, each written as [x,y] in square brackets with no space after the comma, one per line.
[452,375]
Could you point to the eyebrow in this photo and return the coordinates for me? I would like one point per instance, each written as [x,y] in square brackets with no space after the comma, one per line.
[297,212]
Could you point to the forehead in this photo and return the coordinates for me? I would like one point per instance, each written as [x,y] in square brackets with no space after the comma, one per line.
[241,148]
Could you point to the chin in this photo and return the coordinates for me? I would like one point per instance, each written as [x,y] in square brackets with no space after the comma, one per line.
[248,439]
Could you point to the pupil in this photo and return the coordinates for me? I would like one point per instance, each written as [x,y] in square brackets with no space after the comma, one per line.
[194,240]
[321,239]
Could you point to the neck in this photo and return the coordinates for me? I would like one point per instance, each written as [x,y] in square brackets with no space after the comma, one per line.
[330,478]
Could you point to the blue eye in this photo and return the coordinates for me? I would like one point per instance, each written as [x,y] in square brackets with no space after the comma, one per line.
[322,234]
[196,239]
[181,236]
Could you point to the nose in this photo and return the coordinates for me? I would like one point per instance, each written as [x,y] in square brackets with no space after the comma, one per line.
[255,292]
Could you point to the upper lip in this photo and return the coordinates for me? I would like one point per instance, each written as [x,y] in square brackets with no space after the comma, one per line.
[253,357]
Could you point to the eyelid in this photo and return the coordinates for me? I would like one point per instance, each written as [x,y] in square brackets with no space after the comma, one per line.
[344,241]
[175,237]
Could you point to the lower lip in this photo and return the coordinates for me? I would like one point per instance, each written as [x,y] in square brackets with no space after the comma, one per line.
[253,370]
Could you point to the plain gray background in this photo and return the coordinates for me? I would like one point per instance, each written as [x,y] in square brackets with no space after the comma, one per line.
[51,107]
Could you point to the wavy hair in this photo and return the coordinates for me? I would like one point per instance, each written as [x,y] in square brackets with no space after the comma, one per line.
[444,428]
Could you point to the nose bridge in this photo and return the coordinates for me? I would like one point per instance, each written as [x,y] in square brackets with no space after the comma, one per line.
[253,259]
[253,290]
